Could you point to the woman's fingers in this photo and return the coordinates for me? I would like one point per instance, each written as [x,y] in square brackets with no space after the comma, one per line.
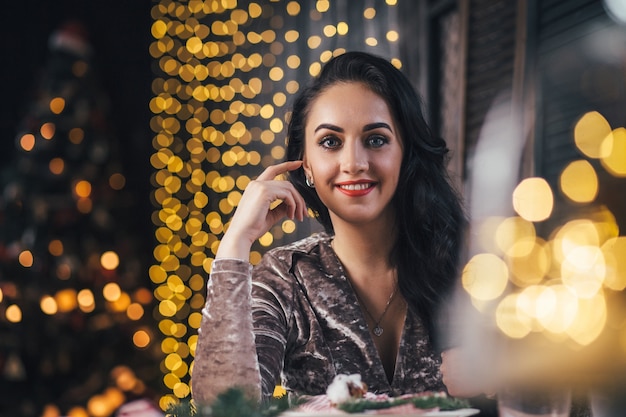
[273,171]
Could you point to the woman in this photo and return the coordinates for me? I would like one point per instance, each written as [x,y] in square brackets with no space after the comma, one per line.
[363,296]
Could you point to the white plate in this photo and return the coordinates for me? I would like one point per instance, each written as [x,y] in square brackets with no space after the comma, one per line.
[462,412]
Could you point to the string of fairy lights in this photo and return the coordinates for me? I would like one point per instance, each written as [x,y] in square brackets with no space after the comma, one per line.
[225,72]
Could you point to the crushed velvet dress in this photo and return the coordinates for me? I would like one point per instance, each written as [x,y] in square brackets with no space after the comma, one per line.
[297,322]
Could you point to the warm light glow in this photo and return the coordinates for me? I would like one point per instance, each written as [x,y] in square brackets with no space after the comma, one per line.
[109,260]
[591,133]
[589,321]
[27,142]
[57,165]
[583,270]
[614,252]
[76,135]
[26,259]
[66,300]
[533,199]
[509,320]
[579,182]
[117,181]
[529,261]
[141,339]
[47,130]
[615,161]
[369,13]
[111,292]
[485,276]
[135,311]
[574,234]
[83,189]
[86,300]
[13,313]
[48,305]
[511,231]
[77,412]
[57,105]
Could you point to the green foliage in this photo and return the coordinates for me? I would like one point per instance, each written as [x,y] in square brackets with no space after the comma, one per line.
[425,402]
[232,403]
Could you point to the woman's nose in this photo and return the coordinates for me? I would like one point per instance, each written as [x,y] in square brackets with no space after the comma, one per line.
[354,158]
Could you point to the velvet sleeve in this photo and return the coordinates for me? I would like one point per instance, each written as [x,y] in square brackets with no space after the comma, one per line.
[245,328]
[225,354]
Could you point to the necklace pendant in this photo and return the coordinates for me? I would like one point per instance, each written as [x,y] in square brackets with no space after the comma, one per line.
[378,331]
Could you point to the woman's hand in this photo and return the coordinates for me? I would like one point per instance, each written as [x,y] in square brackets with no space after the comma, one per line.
[254,215]
[459,377]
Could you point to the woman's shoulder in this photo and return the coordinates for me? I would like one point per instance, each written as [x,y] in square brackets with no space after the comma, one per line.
[305,245]
[313,249]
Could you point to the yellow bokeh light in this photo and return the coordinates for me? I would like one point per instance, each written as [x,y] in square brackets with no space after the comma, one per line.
[26,258]
[293,8]
[13,313]
[369,13]
[47,130]
[590,320]
[579,182]
[85,300]
[583,270]
[615,161]
[614,252]
[109,260]
[485,276]
[48,305]
[56,166]
[322,5]
[562,309]
[573,234]
[392,36]
[111,291]
[141,338]
[83,189]
[591,133]
[533,199]
[509,320]
[529,261]
[342,28]
[57,105]
[27,142]
[314,42]
[512,230]
[533,302]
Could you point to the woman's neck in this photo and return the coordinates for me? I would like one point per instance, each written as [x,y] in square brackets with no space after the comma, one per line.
[365,251]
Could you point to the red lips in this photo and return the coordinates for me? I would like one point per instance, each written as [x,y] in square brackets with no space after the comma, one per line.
[356,188]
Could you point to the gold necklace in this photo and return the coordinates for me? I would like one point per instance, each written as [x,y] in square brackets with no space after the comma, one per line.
[377,330]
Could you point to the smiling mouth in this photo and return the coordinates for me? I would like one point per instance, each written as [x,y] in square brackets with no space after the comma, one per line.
[356,187]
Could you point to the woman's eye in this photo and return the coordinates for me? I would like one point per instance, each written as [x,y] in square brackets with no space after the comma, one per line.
[377,141]
[330,142]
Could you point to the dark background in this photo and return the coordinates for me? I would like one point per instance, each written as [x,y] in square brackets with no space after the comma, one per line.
[119,33]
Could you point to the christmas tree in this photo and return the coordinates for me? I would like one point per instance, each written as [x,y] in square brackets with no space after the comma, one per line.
[77,334]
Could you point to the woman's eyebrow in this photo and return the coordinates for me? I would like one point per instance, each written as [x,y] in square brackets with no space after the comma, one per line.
[366,128]
[378,125]
[329,127]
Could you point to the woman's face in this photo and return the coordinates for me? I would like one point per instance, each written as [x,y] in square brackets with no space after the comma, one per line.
[353,153]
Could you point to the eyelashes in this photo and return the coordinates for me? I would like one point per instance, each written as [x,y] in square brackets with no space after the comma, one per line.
[373,141]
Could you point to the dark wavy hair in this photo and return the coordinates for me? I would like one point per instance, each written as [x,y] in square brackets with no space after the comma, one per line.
[429,215]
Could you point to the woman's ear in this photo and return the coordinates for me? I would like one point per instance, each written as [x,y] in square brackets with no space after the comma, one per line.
[306,167]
